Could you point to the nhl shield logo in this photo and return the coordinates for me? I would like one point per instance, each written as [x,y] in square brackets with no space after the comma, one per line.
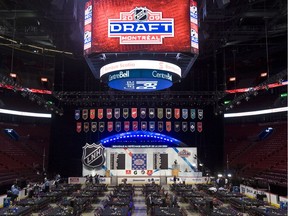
[93,155]
[140,14]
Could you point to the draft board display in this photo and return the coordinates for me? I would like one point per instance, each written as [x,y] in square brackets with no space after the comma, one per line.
[147,162]
[132,26]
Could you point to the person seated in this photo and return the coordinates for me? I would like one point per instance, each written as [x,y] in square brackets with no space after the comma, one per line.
[14,192]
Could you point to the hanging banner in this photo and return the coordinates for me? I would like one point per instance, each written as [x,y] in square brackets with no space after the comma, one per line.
[192,113]
[85,114]
[160,113]
[77,114]
[86,127]
[100,113]
[151,113]
[135,125]
[199,127]
[78,127]
[184,126]
[176,126]
[126,126]
[152,126]
[192,126]
[143,125]
[93,126]
[168,126]
[168,113]
[143,113]
[110,126]
[125,113]
[92,114]
[101,126]
[160,126]
[184,113]
[134,113]
[200,114]
[176,113]
[118,126]
[117,113]
[109,113]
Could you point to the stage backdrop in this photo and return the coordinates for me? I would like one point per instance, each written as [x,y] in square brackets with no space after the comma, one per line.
[147,162]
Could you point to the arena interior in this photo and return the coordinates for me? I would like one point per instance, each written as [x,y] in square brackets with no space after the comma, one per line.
[143,107]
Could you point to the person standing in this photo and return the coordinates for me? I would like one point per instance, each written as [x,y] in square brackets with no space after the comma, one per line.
[46,185]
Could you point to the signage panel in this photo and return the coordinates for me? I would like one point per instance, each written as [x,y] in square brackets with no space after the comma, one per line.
[149,26]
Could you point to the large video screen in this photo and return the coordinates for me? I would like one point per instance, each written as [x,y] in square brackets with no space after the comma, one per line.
[140,26]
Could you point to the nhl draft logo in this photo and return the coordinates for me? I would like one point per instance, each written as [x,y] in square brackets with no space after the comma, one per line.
[140,14]
[93,155]
[141,26]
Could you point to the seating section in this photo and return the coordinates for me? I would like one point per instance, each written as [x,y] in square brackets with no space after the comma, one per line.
[252,157]
[24,157]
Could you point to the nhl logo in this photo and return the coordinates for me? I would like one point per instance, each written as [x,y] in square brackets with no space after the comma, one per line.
[93,155]
[140,14]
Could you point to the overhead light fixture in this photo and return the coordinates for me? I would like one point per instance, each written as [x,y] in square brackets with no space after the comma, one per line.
[44,79]
[13,75]
[264,74]
[232,79]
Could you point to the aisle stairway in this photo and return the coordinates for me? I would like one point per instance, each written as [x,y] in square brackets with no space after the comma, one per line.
[140,208]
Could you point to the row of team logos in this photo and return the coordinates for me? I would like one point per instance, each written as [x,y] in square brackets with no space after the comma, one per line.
[134,125]
[142,112]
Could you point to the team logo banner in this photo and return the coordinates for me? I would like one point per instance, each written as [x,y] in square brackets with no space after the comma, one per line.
[200,114]
[168,126]
[78,127]
[92,114]
[184,126]
[100,113]
[177,126]
[176,113]
[151,113]
[118,126]
[109,113]
[160,126]
[126,126]
[110,126]
[143,113]
[93,155]
[134,112]
[139,161]
[184,113]
[199,127]
[101,126]
[117,113]
[160,113]
[93,126]
[192,126]
[135,125]
[193,113]
[125,113]
[143,125]
[86,127]
[85,114]
[149,26]
[151,126]
[168,113]
[77,114]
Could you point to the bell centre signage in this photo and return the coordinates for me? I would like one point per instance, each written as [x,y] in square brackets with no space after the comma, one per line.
[140,75]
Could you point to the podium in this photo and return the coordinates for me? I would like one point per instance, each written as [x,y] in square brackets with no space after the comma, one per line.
[175,170]
[107,173]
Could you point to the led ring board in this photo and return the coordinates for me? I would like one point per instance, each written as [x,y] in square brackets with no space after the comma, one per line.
[140,75]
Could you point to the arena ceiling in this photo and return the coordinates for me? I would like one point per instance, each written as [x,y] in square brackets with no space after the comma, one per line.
[240,38]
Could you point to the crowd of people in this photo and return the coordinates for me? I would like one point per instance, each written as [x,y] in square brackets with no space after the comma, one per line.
[32,189]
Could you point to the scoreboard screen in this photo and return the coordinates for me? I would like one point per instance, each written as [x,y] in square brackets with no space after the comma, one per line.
[138,25]
[160,161]
[117,161]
